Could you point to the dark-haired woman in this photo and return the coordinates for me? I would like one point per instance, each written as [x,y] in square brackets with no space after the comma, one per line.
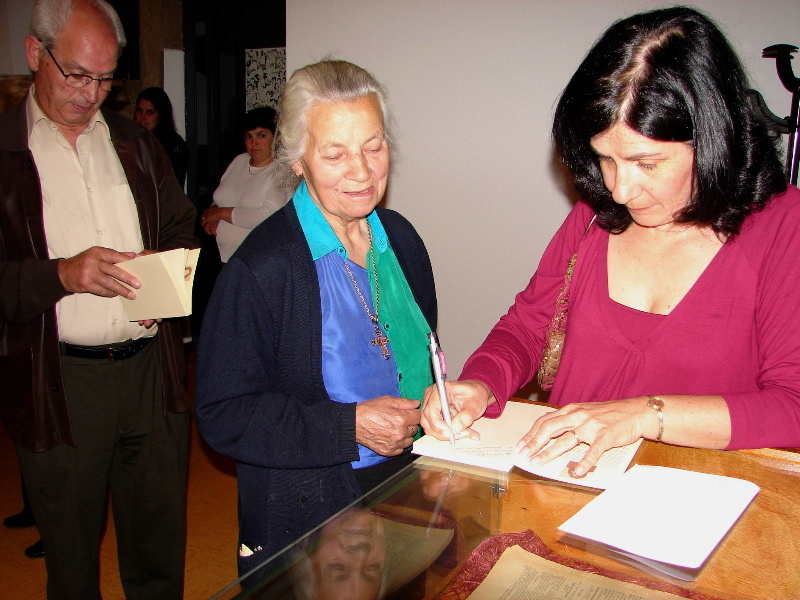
[154,113]
[251,189]
[682,324]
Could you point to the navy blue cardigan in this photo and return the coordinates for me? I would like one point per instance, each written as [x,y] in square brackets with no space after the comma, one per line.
[260,394]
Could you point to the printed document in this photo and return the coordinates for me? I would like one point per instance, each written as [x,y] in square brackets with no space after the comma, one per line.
[521,575]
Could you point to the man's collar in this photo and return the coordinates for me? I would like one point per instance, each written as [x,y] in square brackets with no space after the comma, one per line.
[36,114]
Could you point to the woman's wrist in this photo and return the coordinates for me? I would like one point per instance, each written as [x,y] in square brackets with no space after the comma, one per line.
[657,404]
[652,412]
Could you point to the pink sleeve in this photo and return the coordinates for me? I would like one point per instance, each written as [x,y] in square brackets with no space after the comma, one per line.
[770,416]
[509,357]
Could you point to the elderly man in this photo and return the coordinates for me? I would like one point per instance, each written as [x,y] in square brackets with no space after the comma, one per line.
[93,402]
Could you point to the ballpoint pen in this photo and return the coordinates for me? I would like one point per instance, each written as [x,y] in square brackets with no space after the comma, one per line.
[440,374]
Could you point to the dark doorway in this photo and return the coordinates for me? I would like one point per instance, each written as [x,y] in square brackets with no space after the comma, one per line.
[216,35]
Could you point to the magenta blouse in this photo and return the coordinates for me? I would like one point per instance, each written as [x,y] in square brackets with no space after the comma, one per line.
[736,333]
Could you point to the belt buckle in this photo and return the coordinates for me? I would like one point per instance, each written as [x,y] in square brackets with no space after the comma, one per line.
[110,354]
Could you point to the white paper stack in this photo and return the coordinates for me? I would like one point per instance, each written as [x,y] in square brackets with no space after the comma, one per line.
[670,520]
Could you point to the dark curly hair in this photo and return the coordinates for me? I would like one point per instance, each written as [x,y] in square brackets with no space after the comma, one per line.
[671,75]
[262,116]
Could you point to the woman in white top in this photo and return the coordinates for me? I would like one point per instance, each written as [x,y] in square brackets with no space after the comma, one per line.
[250,189]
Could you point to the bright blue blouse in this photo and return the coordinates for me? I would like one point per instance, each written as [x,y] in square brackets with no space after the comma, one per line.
[353,369]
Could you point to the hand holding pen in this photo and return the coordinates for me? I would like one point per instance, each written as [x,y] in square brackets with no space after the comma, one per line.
[440,375]
[466,402]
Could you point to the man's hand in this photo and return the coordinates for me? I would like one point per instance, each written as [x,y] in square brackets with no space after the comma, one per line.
[148,323]
[95,271]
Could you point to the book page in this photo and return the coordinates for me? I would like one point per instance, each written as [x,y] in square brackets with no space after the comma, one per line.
[663,514]
[606,471]
[180,265]
[190,270]
[521,575]
[167,279]
[499,437]
[497,449]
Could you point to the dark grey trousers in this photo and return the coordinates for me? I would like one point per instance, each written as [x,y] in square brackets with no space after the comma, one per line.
[125,445]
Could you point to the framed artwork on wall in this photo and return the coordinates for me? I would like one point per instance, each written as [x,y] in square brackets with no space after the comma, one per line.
[265,76]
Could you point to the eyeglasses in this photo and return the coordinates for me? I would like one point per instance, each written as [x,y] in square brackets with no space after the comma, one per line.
[80,80]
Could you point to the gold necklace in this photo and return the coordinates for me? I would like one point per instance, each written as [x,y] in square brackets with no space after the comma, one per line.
[380,339]
[258,169]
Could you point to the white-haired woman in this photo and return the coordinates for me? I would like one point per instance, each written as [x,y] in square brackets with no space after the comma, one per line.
[312,358]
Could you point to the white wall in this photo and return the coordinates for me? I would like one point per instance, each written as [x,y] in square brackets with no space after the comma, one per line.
[473,84]
[14,25]
[175,87]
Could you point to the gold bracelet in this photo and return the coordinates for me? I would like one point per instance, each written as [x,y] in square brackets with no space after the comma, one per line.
[657,404]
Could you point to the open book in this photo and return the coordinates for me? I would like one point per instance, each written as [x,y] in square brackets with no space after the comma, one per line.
[167,279]
[499,437]
[664,519]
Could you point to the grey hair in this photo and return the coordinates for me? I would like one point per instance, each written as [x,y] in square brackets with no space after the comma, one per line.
[49,18]
[326,82]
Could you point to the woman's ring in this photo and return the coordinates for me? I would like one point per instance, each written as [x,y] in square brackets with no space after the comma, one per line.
[577,439]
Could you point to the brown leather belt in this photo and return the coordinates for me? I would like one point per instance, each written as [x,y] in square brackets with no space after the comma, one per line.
[109,353]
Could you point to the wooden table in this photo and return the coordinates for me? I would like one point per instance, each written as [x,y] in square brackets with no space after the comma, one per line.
[760,556]
[758,559]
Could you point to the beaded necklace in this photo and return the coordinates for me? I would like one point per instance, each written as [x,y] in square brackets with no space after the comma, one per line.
[380,339]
